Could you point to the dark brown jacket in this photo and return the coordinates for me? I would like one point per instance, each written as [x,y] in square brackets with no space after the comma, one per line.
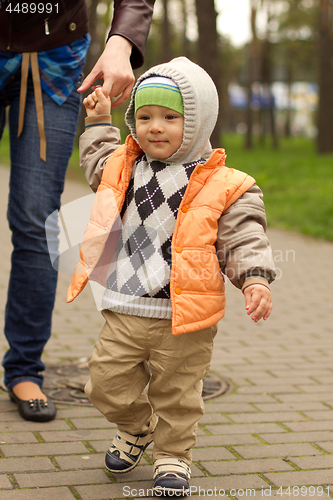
[29,32]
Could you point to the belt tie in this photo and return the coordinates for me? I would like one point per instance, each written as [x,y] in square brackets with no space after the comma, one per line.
[27,59]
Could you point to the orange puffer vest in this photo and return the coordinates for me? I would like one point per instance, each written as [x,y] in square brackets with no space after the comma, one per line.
[196,283]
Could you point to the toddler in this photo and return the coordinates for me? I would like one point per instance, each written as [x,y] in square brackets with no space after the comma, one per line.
[169,220]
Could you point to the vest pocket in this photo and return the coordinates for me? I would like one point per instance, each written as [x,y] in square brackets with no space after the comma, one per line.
[213,277]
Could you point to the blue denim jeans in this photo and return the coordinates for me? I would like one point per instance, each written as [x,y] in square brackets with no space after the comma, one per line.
[35,191]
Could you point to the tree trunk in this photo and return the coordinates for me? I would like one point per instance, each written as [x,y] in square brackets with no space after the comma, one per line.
[166,36]
[184,40]
[287,126]
[93,54]
[208,53]
[267,84]
[252,75]
[325,79]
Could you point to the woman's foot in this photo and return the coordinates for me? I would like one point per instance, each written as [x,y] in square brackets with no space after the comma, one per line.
[28,390]
[32,403]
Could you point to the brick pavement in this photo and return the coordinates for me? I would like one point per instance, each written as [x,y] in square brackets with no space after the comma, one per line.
[274,430]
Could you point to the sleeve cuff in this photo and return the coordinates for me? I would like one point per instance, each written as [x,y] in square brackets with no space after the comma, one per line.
[255,277]
[98,120]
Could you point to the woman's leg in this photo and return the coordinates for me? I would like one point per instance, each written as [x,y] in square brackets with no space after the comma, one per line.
[35,190]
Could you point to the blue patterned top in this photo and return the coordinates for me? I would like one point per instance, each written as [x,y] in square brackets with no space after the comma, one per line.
[59,68]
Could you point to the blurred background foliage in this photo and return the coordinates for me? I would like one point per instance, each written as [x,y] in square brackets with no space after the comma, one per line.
[276,95]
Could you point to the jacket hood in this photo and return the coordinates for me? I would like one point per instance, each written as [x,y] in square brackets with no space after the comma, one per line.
[200,100]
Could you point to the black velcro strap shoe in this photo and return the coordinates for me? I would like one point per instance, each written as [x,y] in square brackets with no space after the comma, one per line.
[171,477]
[36,410]
[126,451]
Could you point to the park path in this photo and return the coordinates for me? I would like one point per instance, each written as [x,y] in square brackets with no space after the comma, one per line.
[273,431]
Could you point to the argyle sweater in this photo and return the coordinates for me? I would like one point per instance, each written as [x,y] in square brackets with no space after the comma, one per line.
[138,280]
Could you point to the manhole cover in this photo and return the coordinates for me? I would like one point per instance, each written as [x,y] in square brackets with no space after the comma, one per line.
[214,386]
[65,384]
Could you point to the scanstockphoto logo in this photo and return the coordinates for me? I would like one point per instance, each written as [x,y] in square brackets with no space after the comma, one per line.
[214,492]
[132,254]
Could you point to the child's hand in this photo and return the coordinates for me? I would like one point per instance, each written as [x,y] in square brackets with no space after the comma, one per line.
[258,300]
[97,104]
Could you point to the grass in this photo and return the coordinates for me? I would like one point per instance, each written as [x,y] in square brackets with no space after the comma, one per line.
[296,181]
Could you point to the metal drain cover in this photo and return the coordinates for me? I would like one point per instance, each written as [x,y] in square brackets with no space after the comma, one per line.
[65,384]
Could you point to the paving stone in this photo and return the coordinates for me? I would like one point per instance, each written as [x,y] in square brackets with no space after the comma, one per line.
[245,466]
[323,462]
[78,435]
[213,418]
[227,440]
[82,412]
[61,478]
[297,437]
[276,450]
[89,461]
[325,446]
[270,380]
[92,423]
[324,397]
[267,417]
[23,425]
[244,428]
[253,398]
[212,453]
[270,389]
[38,494]
[297,478]
[26,464]
[5,483]
[106,492]
[291,406]
[17,437]
[227,407]
[322,425]
[36,450]
[320,415]
[9,416]
[227,483]
[317,388]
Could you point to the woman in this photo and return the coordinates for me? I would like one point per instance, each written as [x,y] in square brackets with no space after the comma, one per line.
[42,53]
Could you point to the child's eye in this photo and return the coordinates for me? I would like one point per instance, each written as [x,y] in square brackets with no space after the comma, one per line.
[170,117]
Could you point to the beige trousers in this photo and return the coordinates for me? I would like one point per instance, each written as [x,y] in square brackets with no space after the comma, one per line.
[132,352]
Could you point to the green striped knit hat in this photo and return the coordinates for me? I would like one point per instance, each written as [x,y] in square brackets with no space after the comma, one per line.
[159,91]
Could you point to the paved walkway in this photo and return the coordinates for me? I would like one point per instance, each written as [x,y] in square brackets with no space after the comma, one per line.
[272,432]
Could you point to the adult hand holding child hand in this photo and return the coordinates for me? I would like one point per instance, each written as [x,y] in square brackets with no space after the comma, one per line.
[97,104]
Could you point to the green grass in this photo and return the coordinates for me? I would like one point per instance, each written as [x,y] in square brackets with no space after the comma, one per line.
[296,181]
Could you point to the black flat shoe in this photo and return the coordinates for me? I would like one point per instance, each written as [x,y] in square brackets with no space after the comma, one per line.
[36,410]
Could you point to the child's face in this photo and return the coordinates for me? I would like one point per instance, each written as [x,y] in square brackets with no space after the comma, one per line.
[159,130]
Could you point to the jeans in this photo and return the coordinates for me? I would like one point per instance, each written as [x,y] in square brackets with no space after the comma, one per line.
[35,190]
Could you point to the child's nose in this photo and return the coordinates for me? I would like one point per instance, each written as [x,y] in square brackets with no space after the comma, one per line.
[156,126]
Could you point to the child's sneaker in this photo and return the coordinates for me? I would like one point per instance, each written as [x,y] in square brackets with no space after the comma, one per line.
[171,477]
[126,451]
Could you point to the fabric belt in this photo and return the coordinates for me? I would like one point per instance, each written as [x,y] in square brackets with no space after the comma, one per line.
[30,58]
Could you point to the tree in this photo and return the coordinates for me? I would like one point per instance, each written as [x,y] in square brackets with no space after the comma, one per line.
[166,37]
[252,73]
[208,51]
[325,77]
